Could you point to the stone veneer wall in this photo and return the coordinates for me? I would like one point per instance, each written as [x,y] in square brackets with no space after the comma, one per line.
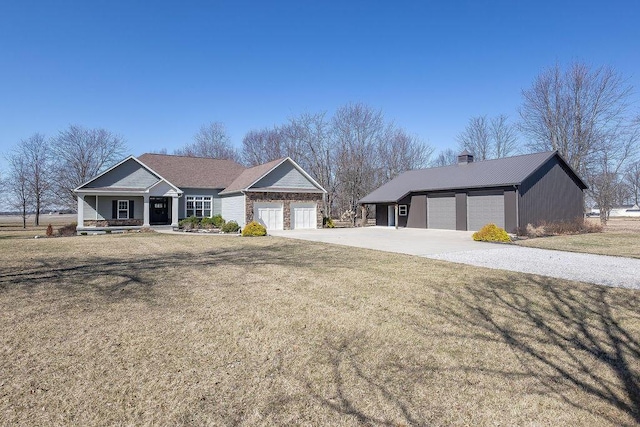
[112,222]
[286,199]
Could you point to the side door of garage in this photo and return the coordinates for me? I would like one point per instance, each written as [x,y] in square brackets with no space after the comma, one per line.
[484,207]
[441,211]
[269,214]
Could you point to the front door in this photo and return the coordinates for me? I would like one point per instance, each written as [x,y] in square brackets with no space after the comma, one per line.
[159,210]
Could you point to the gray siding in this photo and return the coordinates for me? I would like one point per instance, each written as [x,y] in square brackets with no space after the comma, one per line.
[128,175]
[105,207]
[461,211]
[403,220]
[215,200]
[551,194]
[417,212]
[233,209]
[285,176]
[510,211]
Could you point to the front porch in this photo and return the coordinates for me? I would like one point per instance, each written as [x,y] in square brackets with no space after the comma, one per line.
[125,211]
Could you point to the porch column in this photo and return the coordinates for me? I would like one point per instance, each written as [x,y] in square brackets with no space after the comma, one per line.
[395,212]
[145,212]
[174,211]
[80,210]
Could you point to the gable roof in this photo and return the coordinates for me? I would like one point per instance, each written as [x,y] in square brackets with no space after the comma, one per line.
[194,172]
[488,173]
[134,189]
[251,176]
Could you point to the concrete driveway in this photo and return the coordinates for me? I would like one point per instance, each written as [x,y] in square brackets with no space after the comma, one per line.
[457,246]
[411,241]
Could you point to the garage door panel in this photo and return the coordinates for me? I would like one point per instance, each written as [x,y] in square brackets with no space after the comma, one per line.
[303,216]
[484,209]
[270,215]
[441,212]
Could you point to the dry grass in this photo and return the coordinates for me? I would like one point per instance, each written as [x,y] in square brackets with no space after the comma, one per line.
[153,329]
[11,226]
[621,237]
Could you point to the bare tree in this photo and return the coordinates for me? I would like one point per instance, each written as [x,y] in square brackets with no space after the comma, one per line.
[357,133]
[488,138]
[445,158]
[584,113]
[399,152]
[212,141]
[79,155]
[265,145]
[310,134]
[503,136]
[632,179]
[17,185]
[476,138]
[36,154]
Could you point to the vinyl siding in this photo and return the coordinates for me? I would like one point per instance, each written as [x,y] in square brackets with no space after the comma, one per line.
[232,209]
[284,176]
[105,207]
[129,174]
[551,194]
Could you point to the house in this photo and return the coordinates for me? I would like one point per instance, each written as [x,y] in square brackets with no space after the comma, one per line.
[510,192]
[159,189]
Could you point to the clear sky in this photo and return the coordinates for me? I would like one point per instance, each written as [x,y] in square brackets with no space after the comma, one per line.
[154,72]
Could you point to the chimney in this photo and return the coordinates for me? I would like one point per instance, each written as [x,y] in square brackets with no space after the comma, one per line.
[465,157]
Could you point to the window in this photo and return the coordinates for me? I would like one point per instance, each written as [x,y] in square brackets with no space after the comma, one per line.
[402,210]
[199,206]
[123,209]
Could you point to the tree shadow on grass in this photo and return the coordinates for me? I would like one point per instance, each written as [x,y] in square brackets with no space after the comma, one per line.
[567,337]
[137,277]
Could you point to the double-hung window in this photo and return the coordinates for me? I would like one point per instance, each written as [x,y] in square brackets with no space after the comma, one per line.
[123,209]
[199,206]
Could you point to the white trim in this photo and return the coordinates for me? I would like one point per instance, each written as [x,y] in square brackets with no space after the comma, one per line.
[118,210]
[281,190]
[160,177]
[204,199]
[295,165]
[402,208]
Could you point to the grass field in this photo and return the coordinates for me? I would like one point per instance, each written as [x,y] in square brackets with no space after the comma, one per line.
[150,329]
[621,237]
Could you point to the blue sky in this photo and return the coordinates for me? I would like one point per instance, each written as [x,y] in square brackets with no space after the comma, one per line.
[154,72]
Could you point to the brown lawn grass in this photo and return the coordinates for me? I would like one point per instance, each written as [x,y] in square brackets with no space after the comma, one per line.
[152,329]
[621,237]
[11,226]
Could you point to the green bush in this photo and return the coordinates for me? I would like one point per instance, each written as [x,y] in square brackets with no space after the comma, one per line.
[207,223]
[218,221]
[190,223]
[254,229]
[230,227]
[327,222]
[491,233]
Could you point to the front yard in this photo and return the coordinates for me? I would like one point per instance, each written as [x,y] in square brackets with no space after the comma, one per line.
[217,330]
[621,237]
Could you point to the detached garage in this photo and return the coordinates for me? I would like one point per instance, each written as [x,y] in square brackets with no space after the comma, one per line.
[509,192]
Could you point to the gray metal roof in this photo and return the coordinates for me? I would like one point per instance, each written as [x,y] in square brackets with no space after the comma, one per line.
[488,173]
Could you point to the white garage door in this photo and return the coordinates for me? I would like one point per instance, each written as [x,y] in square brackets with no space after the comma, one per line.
[483,209]
[441,212]
[269,215]
[303,215]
